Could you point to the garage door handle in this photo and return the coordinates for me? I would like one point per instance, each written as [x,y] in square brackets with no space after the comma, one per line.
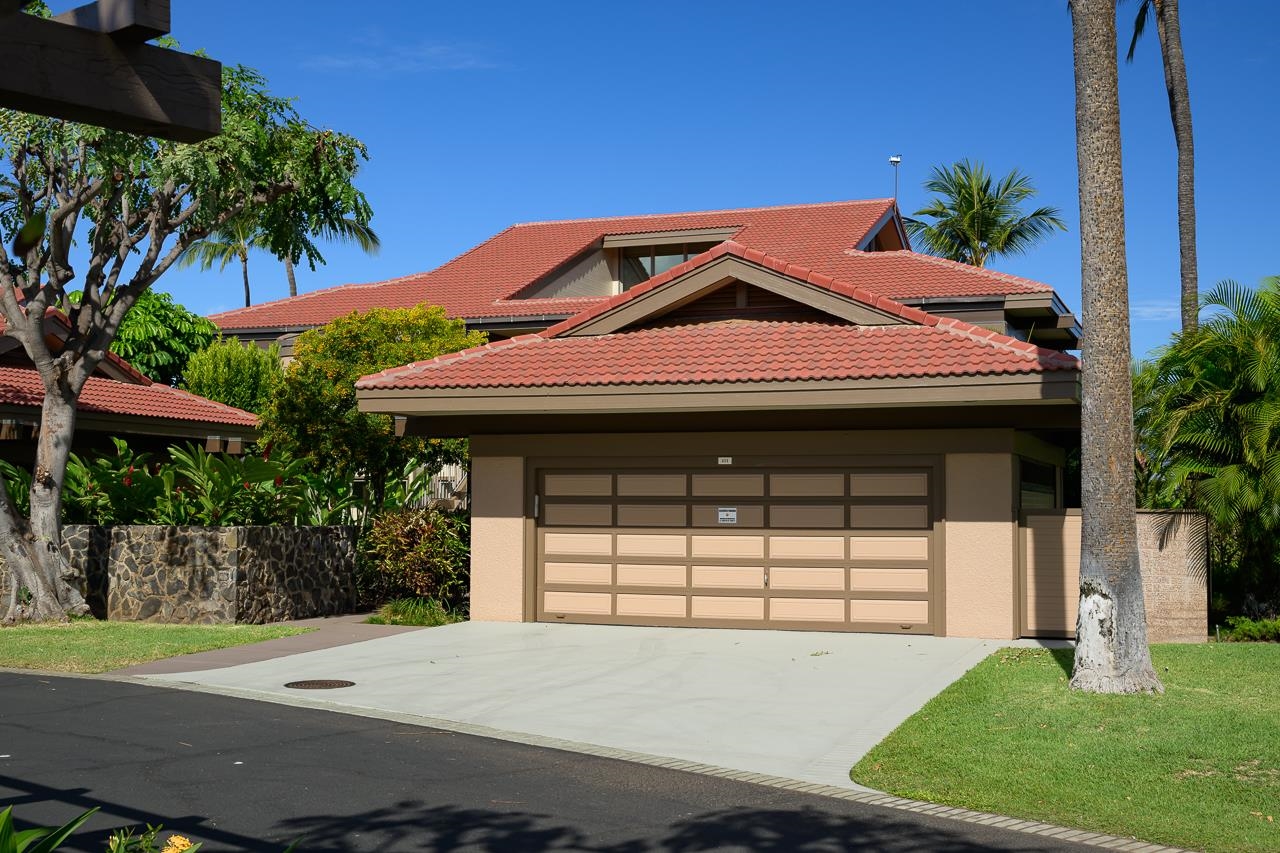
[535,507]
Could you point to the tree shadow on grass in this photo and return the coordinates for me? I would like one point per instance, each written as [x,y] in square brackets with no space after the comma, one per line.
[1065,658]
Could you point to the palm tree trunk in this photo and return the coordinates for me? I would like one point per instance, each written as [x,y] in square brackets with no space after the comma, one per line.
[288,271]
[244,271]
[1169,31]
[1111,633]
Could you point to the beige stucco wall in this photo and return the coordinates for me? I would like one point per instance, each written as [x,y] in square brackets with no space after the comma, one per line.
[1174,576]
[497,538]
[980,568]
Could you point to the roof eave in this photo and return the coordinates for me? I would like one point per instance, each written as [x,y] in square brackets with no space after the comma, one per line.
[1057,387]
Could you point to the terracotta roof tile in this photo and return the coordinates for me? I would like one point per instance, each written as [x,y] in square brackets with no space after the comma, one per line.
[21,386]
[480,282]
[725,353]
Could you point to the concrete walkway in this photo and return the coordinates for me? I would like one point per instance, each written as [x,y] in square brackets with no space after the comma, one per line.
[799,705]
[326,633]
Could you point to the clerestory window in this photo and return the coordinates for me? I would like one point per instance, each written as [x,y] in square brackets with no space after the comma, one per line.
[640,263]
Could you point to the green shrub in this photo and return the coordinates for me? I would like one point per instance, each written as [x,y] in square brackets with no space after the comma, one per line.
[426,612]
[235,374]
[416,553]
[1242,629]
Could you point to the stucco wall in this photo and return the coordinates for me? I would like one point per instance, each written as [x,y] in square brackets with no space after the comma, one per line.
[980,557]
[497,538]
[1172,549]
[1175,576]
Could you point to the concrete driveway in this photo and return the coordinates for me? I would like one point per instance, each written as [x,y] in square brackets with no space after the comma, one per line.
[800,705]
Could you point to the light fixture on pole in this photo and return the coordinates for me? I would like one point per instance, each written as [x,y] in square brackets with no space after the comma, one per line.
[895,160]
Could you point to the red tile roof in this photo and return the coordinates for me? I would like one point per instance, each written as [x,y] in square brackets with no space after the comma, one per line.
[21,386]
[729,352]
[480,282]
[863,288]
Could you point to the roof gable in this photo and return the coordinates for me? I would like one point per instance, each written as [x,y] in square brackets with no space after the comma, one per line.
[712,270]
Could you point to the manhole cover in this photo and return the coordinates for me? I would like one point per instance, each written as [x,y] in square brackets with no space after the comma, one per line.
[320,684]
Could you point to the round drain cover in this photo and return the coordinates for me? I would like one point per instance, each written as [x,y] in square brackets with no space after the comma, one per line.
[320,684]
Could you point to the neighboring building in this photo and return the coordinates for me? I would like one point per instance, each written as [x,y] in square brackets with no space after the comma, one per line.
[534,275]
[116,401]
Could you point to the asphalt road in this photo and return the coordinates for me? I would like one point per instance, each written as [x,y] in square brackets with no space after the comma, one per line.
[243,775]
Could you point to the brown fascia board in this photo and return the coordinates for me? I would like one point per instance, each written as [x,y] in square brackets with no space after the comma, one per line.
[505,323]
[136,425]
[1057,388]
[674,236]
[706,278]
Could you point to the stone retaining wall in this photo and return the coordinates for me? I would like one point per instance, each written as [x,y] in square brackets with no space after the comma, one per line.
[213,575]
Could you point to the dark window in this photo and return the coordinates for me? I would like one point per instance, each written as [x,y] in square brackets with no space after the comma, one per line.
[1039,485]
[640,263]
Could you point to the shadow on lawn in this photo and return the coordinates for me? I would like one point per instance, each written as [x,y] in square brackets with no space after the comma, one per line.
[1065,658]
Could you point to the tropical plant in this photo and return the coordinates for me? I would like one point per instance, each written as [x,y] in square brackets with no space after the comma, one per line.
[239,237]
[314,415]
[417,553]
[40,839]
[231,242]
[975,217]
[110,489]
[159,336]
[1112,655]
[240,375]
[144,202]
[220,490]
[1169,35]
[342,230]
[1208,417]
[422,612]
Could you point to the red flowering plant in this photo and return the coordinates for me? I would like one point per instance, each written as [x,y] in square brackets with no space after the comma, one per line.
[110,489]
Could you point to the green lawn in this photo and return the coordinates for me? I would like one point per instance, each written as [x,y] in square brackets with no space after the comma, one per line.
[85,645]
[1198,767]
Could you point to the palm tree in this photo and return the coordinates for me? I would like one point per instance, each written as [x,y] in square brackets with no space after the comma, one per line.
[239,236]
[341,230]
[976,217]
[231,242]
[1210,421]
[1112,655]
[1169,34]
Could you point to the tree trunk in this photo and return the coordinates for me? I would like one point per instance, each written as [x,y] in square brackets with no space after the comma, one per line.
[293,282]
[1111,633]
[1169,31]
[42,585]
[244,271]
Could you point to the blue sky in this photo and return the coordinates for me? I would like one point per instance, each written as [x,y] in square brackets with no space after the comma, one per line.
[478,115]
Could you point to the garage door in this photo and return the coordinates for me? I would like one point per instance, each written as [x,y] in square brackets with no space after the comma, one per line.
[848,549]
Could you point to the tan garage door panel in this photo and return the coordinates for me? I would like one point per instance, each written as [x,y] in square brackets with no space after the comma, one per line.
[823,549]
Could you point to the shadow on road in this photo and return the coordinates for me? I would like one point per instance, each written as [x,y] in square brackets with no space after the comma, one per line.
[416,826]
[413,826]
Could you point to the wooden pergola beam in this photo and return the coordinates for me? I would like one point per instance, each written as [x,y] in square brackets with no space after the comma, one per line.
[91,65]
[134,20]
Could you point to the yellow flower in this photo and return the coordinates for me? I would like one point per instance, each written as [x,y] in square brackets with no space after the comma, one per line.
[176,844]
